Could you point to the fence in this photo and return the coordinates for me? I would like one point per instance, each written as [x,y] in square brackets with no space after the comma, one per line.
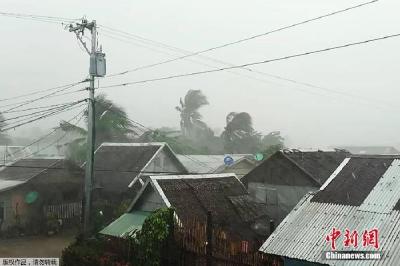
[201,244]
[64,211]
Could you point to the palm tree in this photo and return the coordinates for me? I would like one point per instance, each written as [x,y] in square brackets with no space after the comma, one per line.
[111,124]
[191,124]
[239,135]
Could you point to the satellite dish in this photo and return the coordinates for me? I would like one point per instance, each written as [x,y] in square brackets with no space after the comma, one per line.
[228,160]
[31,197]
[259,157]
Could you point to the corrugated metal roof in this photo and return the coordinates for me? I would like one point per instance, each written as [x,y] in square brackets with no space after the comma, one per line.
[301,235]
[7,184]
[126,224]
[206,163]
[384,196]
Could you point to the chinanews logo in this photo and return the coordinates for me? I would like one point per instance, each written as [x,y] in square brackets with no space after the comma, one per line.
[357,242]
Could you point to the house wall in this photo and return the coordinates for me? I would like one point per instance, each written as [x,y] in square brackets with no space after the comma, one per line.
[280,199]
[279,183]
[164,162]
[149,201]
[53,187]
[14,206]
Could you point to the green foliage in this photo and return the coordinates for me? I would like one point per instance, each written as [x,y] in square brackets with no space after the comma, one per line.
[191,124]
[151,239]
[239,135]
[270,150]
[82,252]
[272,139]
[111,124]
[272,143]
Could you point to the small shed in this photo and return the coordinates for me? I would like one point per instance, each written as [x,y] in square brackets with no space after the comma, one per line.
[30,189]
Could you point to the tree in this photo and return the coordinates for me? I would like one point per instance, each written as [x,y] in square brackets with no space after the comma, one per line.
[191,124]
[111,124]
[273,138]
[4,139]
[239,135]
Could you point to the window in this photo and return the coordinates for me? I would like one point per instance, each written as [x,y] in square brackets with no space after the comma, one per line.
[272,196]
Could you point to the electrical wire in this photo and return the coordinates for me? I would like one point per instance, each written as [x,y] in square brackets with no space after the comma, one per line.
[148,129]
[53,94]
[35,108]
[51,132]
[368,101]
[48,19]
[41,112]
[254,63]
[109,170]
[13,126]
[244,39]
[40,91]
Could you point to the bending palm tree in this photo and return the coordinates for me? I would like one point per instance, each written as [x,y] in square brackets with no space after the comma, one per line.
[191,124]
[111,124]
[239,135]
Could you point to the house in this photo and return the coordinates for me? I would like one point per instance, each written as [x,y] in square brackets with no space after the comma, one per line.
[30,189]
[192,197]
[361,195]
[284,178]
[10,154]
[380,150]
[208,164]
[123,167]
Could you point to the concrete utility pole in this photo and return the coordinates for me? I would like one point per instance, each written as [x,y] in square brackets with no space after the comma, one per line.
[96,69]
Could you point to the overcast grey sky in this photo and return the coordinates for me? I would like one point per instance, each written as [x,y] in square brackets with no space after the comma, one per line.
[37,55]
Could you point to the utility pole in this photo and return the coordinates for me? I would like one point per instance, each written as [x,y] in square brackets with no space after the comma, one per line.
[97,69]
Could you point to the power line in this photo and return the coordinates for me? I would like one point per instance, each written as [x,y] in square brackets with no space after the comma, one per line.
[254,63]
[53,94]
[41,112]
[110,170]
[40,91]
[48,19]
[137,123]
[368,100]
[38,118]
[35,108]
[242,40]
[51,132]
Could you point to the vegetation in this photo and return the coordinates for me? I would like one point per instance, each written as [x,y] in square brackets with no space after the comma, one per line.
[194,136]
[111,124]
[144,248]
[239,135]
[191,124]
[152,237]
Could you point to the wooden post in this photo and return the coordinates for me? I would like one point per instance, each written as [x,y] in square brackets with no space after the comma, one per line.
[209,239]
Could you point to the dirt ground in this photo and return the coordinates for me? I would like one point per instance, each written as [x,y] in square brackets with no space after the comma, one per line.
[39,246]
